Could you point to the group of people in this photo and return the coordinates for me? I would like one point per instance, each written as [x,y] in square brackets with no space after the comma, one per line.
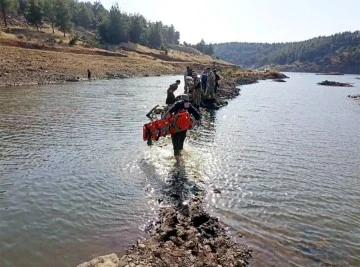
[196,89]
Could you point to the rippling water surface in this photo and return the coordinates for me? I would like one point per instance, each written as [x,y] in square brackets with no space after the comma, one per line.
[77,181]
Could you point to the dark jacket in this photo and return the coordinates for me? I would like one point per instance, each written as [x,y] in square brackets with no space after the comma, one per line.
[183,104]
[170,99]
[217,79]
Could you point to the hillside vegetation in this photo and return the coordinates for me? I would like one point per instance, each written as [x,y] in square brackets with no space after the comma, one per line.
[336,53]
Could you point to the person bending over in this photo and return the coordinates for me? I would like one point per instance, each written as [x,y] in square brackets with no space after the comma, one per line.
[170,99]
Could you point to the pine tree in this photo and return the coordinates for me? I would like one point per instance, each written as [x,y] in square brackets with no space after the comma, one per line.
[117,26]
[63,15]
[34,13]
[49,12]
[137,29]
[155,35]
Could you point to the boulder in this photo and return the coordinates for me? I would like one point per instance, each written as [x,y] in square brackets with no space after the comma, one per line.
[110,260]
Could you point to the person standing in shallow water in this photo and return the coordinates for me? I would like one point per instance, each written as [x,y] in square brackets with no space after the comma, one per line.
[210,87]
[196,91]
[179,137]
[203,80]
[188,73]
[217,79]
[89,74]
[170,99]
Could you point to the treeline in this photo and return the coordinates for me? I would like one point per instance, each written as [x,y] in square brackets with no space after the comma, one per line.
[203,47]
[113,26]
[340,50]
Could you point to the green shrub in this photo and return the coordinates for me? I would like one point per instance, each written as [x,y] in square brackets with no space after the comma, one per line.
[73,40]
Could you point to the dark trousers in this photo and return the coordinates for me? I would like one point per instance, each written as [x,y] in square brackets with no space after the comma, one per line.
[178,142]
[203,86]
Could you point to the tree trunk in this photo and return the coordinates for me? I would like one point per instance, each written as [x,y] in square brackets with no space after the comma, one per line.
[4,15]
[52,26]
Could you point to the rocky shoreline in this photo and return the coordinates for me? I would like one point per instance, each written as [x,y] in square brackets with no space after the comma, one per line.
[183,236]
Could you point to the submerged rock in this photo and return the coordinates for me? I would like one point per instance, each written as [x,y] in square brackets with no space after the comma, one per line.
[333,83]
[330,73]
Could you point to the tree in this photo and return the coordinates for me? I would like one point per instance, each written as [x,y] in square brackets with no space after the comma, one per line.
[118,27]
[63,15]
[34,13]
[155,35]
[6,6]
[201,46]
[137,29]
[85,16]
[100,13]
[209,50]
[49,12]
[170,34]
[22,7]
[177,38]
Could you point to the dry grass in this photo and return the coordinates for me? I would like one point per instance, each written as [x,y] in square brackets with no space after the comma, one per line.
[29,56]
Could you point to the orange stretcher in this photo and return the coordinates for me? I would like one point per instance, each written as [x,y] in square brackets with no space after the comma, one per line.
[170,125]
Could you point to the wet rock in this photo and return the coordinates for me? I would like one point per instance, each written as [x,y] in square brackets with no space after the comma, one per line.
[110,260]
[354,96]
[279,80]
[217,191]
[333,83]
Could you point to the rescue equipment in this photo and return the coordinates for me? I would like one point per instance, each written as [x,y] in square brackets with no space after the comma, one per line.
[170,125]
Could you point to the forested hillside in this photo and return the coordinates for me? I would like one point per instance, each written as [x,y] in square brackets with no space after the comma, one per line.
[339,52]
[110,26]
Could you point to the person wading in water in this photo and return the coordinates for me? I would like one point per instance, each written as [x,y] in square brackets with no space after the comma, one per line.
[178,138]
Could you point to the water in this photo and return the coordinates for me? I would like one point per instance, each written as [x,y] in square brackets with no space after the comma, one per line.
[77,181]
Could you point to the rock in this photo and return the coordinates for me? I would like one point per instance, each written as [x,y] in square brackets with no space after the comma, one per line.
[279,80]
[354,96]
[72,80]
[110,260]
[217,191]
[333,83]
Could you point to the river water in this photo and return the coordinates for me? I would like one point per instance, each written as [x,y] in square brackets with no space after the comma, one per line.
[77,181]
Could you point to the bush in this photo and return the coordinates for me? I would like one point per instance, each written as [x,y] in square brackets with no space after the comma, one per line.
[73,40]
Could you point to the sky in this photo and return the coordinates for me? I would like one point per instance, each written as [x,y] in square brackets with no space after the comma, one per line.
[218,21]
